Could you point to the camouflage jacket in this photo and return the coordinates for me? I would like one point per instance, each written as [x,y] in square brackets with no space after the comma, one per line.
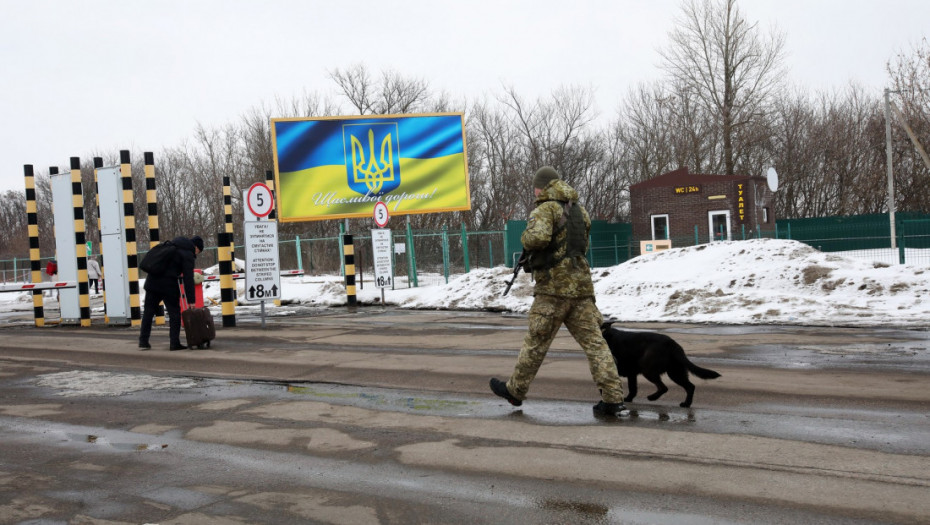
[571,277]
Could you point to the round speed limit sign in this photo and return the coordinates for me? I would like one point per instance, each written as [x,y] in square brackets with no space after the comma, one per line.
[259,200]
[381,214]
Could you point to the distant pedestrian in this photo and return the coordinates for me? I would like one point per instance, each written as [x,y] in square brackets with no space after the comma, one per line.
[94,274]
[556,240]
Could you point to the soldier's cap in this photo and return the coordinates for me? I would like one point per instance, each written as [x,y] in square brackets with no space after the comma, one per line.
[544,176]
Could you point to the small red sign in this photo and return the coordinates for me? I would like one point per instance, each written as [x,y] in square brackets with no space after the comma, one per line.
[381,214]
[260,200]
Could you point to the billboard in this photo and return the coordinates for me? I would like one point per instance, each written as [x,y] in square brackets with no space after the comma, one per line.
[339,167]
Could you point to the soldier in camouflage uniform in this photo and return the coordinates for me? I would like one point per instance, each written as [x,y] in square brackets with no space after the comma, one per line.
[556,240]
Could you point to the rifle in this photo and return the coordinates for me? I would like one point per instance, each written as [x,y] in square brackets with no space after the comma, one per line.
[516,270]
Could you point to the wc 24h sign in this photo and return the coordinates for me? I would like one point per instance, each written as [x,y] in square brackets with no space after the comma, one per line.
[262,264]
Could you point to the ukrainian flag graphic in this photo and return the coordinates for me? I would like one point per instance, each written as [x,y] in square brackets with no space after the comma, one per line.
[331,168]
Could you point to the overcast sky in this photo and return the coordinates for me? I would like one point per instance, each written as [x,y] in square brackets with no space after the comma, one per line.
[91,77]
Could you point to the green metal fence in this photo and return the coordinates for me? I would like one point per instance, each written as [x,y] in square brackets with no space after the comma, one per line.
[424,257]
[863,236]
[609,243]
[433,256]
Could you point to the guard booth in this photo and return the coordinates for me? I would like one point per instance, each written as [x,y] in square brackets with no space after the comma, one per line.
[693,208]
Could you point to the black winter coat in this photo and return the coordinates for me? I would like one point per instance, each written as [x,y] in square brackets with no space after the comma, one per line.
[182,264]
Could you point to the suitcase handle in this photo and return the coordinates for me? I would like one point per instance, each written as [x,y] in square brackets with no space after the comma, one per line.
[183,295]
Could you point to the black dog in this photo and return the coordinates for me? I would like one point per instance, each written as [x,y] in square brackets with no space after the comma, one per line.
[651,355]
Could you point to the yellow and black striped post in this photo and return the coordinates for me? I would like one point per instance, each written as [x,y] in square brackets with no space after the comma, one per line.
[132,250]
[269,181]
[228,218]
[227,285]
[227,256]
[35,258]
[80,240]
[151,200]
[273,216]
[348,254]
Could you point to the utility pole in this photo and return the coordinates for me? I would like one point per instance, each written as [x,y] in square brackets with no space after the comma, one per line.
[890,170]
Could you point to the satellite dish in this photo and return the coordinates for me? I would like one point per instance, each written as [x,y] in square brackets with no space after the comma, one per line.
[771,177]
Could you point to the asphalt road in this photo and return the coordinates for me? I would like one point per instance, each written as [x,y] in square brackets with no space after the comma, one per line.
[384,416]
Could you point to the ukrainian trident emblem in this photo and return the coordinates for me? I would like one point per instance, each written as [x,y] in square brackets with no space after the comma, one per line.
[373,168]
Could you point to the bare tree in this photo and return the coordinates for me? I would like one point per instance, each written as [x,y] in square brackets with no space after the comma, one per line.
[392,94]
[830,154]
[910,81]
[556,131]
[497,168]
[727,64]
[796,158]
[14,236]
[643,133]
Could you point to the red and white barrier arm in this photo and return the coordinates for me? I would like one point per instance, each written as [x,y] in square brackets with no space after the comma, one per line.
[284,273]
[26,287]
[207,278]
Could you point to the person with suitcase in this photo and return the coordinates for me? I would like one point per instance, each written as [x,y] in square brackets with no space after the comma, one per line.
[164,264]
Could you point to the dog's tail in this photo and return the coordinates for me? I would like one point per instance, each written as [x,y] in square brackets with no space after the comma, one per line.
[703,373]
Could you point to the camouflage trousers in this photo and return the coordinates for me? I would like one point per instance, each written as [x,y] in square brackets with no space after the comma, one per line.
[583,320]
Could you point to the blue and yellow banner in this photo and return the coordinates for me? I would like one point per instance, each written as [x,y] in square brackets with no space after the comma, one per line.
[338,167]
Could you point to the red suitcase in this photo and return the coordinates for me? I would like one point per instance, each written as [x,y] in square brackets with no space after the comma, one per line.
[198,327]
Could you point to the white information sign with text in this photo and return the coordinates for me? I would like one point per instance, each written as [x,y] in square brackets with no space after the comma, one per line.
[384,269]
[262,263]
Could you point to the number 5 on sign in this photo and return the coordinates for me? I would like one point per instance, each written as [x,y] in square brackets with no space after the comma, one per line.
[381,214]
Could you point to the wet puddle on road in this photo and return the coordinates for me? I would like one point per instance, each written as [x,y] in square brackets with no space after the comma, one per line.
[408,403]
[103,441]
[905,355]
[900,432]
[545,412]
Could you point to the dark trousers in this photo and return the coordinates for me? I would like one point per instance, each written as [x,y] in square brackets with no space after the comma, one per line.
[172,305]
[95,283]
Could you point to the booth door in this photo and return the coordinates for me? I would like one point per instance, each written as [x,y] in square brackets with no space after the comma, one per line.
[660,227]
[719,223]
